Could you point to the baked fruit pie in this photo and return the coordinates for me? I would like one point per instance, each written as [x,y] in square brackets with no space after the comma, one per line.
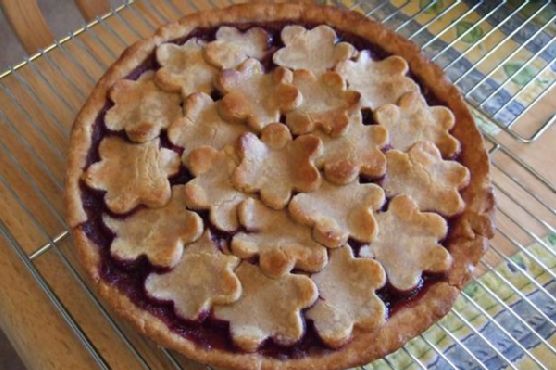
[278,186]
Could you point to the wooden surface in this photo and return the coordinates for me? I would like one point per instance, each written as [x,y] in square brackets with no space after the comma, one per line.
[37,107]
[28,23]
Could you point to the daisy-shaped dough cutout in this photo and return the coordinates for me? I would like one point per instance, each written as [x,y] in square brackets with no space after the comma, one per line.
[356,152]
[325,103]
[347,297]
[432,182]
[132,174]
[204,277]
[316,49]
[202,125]
[407,243]
[412,120]
[281,243]
[276,165]
[158,233]
[183,68]
[233,47]
[381,82]
[255,97]
[268,308]
[338,212]
[212,186]
[141,108]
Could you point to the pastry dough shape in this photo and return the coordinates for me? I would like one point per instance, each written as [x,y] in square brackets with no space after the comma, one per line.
[412,120]
[158,233]
[204,277]
[268,308]
[255,97]
[407,243]
[280,243]
[132,174]
[356,152]
[338,212]
[347,297]
[379,82]
[212,186]
[183,68]
[276,164]
[141,108]
[325,103]
[233,47]
[202,125]
[316,49]
[433,183]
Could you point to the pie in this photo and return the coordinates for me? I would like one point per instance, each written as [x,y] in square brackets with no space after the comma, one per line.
[278,185]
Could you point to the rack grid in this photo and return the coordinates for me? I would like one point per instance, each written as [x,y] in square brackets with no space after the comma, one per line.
[40,97]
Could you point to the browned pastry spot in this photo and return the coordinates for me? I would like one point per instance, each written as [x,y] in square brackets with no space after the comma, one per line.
[233,47]
[432,182]
[183,68]
[280,243]
[407,243]
[356,152]
[347,297]
[255,97]
[158,233]
[275,165]
[267,308]
[315,50]
[325,103]
[202,125]
[203,278]
[381,82]
[338,212]
[132,174]
[412,120]
[212,186]
[141,108]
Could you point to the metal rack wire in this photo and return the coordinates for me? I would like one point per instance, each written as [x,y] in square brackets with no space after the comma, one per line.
[527,202]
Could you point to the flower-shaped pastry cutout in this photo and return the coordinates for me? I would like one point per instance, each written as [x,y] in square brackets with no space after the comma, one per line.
[338,212]
[233,47]
[202,125]
[315,49]
[183,68]
[356,152]
[412,120]
[257,98]
[276,165]
[280,243]
[326,104]
[132,174]
[158,233]
[204,277]
[141,108]
[212,186]
[407,243]
[379,83]
[268,308]
[347,297]
[431,181]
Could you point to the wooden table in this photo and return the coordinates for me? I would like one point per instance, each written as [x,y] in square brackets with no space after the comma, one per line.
[37,105]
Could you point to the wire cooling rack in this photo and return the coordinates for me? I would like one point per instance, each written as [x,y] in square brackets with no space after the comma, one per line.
[40,97]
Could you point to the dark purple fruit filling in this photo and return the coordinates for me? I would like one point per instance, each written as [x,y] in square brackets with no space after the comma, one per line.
[129,276]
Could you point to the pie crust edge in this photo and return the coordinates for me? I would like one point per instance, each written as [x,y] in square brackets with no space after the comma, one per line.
[469,235]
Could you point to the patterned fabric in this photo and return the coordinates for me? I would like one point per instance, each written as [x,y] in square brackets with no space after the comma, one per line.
[515,72]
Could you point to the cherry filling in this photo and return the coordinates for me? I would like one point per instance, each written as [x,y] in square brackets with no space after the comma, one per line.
[129,276]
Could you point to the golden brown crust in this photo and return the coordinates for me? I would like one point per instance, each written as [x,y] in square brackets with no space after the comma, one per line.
[470,231]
